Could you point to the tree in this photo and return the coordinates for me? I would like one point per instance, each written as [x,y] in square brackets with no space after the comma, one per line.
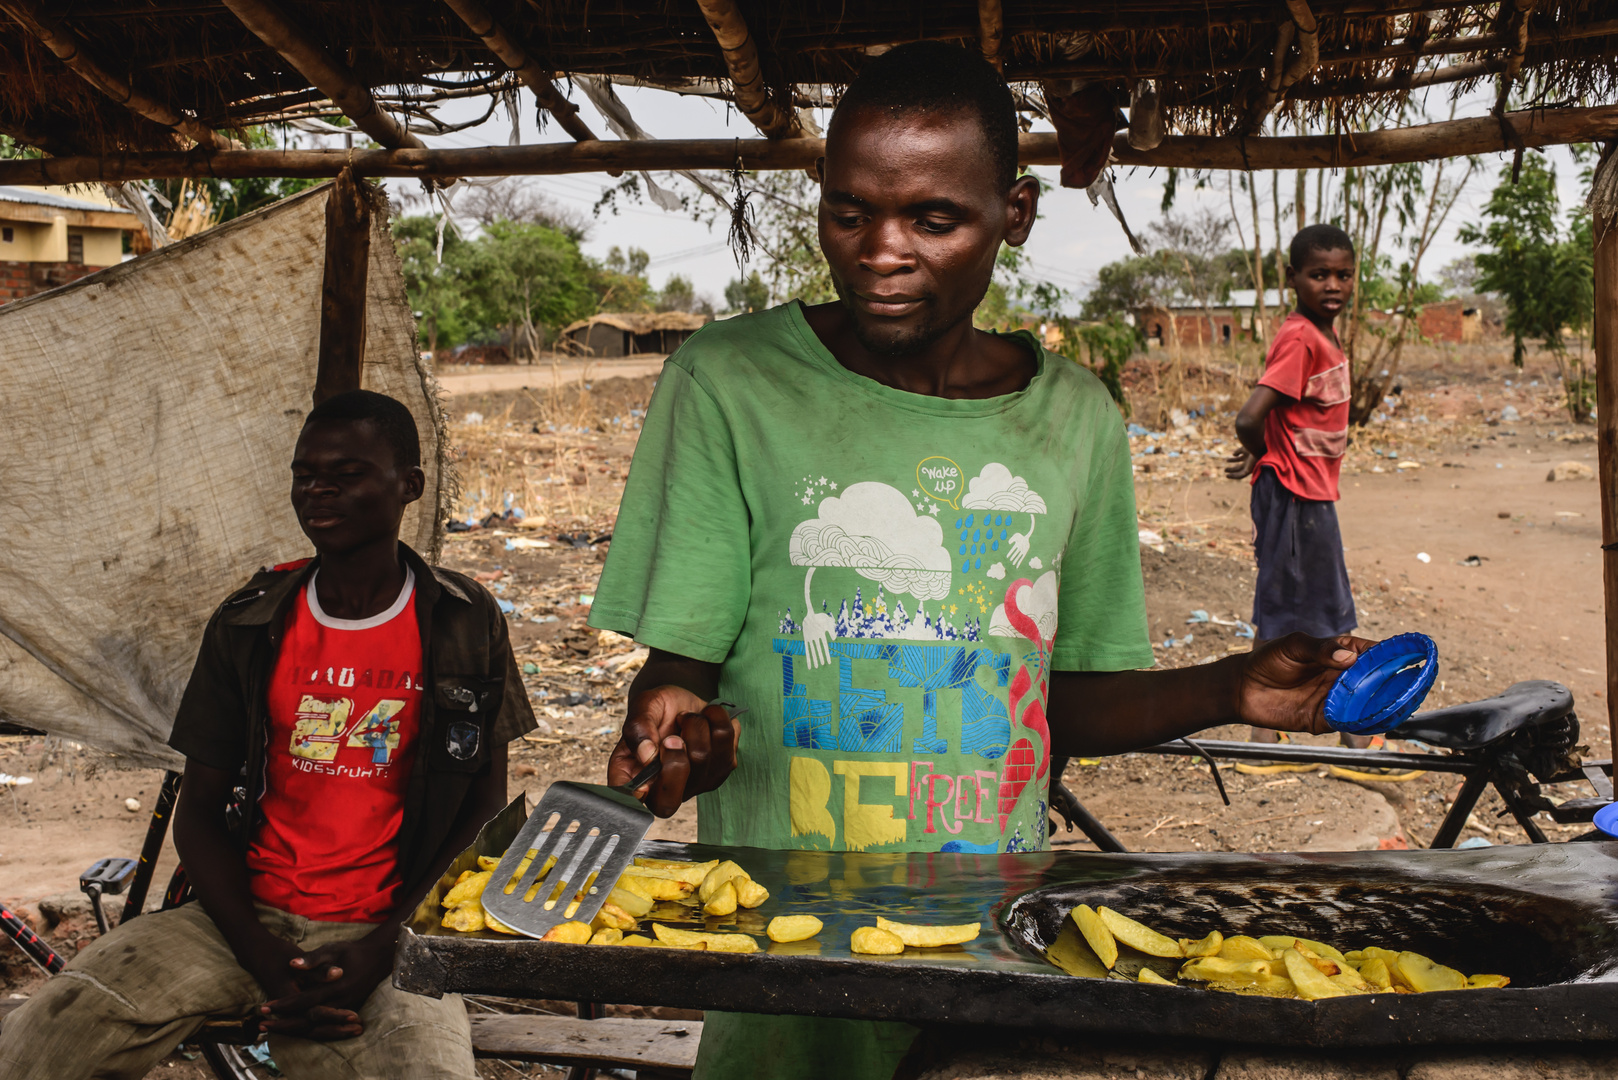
[749,294]
[528,278]
[678,294]
[619,281]
[434,288]
[1544,273]
[512,199]
[230,198]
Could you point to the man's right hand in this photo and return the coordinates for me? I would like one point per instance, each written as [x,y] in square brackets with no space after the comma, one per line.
[696,741]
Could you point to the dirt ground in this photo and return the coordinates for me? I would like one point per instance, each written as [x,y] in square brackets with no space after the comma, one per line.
[1440,475]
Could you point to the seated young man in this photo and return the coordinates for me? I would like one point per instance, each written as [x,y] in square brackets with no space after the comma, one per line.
[909,546]
[369,698]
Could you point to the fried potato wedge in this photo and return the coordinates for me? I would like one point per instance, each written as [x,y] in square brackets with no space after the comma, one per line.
[1096,934]
[716,877]
[686,939]
[1073,954]
[749,893]
[640,940]
[1147,975]
[492,923]
[690,873]
[653,888]
[1275,986]
[1312,983]
[1350,980]
[607,935]
[1139,936]
[465,918]
[1425,976]
[573,933]
[611,915]
[1208,946]
[488,862]
[1241,947]
[1221,971]
[675,864]
[874,941]
[1287,941]
[723,901]
[929,937]
[1375,972]
[467,889]
[632,902]
[1326,967]
[1488,982]
[784,928]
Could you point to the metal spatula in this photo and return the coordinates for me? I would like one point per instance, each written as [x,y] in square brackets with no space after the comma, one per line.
[592,831]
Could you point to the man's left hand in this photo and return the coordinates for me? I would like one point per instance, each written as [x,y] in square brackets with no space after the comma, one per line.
[1284,683]
[336,980]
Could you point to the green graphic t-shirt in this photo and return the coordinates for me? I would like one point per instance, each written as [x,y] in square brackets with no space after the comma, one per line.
[887,578]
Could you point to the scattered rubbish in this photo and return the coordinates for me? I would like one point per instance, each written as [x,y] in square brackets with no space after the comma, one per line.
[582,540]
[1570,470]
[530,668]
[1244,630]
[506,606]
[7,780]
[132,805]
[1509,414]
[1576,437]
[1422,556]
[456,526]
[587,599]
[1198,616]
[523,543]
[1471,560]
[1136,431]
[1406,465]
[473,418]
[1504,515]
[1153,539]
[1568,513]
[1472,842]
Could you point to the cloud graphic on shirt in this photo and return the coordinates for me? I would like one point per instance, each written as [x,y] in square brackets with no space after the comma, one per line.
[1037,601]
[997,571]
[995,488]
[873,530]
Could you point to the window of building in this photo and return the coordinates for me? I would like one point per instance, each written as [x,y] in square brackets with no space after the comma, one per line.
[75,248]
[8,234]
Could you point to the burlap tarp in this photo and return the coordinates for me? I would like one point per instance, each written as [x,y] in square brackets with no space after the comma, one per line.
[149,417]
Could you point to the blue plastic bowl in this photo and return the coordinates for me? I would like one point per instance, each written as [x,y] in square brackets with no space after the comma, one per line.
[1606,819]
[1385,687]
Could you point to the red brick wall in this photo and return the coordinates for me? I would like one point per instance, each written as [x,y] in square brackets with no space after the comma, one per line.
[1440,322]
[20,279]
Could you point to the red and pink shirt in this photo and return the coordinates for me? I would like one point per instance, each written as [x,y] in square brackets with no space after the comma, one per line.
[1305,436]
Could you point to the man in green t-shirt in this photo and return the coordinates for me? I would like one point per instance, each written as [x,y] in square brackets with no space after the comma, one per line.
[907,545]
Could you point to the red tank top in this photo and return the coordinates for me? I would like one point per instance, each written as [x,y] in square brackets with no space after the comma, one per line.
[344,707]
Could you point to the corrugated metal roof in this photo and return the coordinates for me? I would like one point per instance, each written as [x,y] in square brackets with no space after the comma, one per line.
[61,202]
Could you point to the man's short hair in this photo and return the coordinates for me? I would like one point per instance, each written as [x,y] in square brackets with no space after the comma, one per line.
[391,417]
[1317,238]
[935,76]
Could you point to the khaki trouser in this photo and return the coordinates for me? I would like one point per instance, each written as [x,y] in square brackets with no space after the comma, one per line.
[138,992]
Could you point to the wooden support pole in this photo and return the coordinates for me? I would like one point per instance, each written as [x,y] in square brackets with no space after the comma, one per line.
[1301,29]
[991,31]
[342,287]
[334,79]
[741,60]
[1605,342]
[481,21]
[1426,142]
[70,50]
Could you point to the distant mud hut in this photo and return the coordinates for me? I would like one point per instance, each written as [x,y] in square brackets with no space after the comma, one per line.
[631,333]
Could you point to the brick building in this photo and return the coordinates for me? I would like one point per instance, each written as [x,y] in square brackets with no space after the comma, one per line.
[50,236]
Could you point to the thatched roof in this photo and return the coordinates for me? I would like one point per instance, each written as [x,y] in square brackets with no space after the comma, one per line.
[1212,57]
[643,322]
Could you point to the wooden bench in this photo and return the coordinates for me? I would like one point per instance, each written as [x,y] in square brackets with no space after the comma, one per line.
[655,1049]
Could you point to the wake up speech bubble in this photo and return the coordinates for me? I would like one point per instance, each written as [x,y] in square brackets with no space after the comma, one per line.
[941,479]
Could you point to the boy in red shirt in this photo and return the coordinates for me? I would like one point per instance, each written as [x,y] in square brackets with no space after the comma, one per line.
[1293,432]
[363,701]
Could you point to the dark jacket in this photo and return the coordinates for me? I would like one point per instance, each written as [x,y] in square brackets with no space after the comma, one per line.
[474,698]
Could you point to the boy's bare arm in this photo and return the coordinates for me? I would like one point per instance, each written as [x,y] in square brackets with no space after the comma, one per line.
[1250,431]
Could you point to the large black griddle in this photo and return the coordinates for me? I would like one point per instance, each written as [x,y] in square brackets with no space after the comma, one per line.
[1546,915]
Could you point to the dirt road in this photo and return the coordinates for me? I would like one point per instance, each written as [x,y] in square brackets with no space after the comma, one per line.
[458,380]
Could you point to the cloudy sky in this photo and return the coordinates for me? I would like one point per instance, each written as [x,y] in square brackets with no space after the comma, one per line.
[1070,243]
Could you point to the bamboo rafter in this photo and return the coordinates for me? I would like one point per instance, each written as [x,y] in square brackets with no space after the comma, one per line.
[482,22]
[70,50]
[334,79]
[1426,142]
[741,60]
[991,32]
[1303,31]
